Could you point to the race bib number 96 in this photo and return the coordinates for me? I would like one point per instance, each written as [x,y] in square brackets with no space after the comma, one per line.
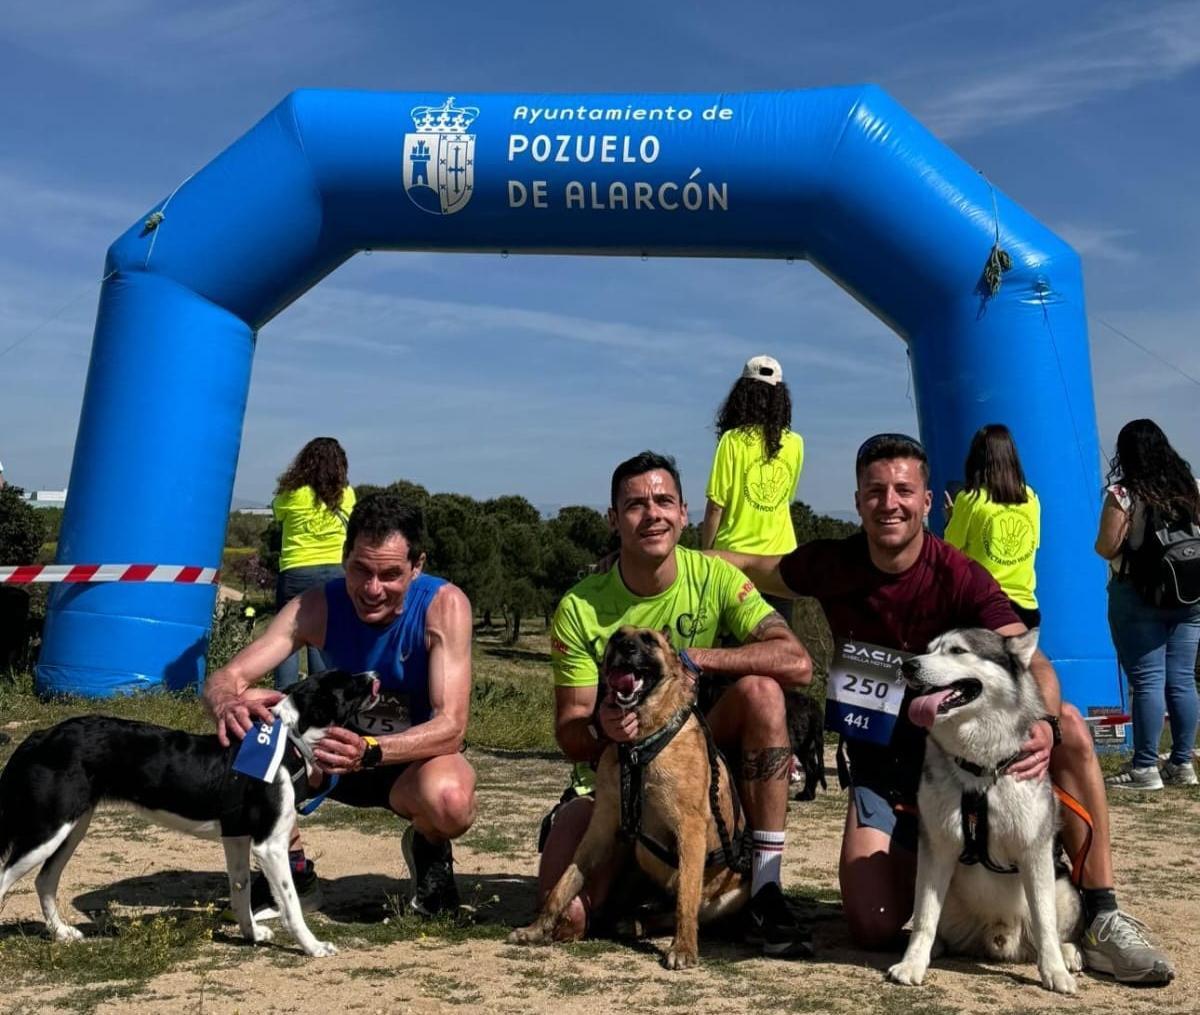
[866,690]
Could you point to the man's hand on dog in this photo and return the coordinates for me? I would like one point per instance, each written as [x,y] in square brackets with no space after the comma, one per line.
[1036,750]
[340,751]
[617,724]
[236,714]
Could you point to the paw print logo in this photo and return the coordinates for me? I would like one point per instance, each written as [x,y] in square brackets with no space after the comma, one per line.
[1008,538]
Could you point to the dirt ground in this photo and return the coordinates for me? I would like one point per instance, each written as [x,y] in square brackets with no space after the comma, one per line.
[129,866]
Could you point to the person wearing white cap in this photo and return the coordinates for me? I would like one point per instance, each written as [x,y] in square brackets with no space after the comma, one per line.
[1,475]
[756,468]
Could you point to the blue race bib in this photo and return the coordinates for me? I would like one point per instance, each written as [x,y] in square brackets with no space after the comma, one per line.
[261,751]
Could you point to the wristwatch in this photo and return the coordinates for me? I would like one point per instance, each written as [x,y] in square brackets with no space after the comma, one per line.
[1052,722]
[373,754]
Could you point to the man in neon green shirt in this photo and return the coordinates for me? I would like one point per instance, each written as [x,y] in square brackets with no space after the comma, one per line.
[657,583]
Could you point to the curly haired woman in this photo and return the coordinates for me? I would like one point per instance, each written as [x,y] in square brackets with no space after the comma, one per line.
[313,500]
[756,469]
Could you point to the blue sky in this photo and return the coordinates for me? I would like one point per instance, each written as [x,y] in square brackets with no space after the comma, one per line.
[550,370]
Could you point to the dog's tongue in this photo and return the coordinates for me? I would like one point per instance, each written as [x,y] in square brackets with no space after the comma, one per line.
[622,683]
[923,710]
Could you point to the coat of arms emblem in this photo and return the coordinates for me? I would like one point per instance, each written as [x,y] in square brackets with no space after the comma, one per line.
[439,158]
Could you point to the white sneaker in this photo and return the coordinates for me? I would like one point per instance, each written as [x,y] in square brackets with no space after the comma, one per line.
[1179,775]
[1128,777]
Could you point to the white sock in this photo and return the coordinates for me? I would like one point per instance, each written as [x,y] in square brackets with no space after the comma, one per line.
[766,859]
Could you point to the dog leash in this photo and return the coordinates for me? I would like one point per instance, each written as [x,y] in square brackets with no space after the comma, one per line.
[633,759]
[1081,812]
[300,785]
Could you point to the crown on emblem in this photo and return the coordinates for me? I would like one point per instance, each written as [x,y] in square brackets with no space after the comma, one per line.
[444,119]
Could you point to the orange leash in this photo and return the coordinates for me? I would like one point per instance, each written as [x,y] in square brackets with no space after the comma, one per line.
[1076,808]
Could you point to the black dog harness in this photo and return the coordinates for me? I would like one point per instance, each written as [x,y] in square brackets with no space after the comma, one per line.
[632,759]
[296,759]
[974,810]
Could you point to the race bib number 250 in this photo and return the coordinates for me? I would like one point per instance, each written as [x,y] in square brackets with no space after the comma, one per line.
[866,690]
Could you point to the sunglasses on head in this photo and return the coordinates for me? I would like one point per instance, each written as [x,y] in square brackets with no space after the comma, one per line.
[897,440]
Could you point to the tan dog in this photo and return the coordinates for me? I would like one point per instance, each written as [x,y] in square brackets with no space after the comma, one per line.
[643,672]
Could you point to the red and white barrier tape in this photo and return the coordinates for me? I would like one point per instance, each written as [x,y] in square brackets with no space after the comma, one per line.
[26,574]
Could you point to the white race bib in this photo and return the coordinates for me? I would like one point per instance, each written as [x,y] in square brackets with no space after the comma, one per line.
[865,691]
[390,714]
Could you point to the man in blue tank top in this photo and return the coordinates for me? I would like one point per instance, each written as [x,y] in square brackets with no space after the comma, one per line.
[414,631]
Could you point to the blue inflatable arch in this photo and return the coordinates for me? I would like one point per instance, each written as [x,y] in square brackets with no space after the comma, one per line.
[842,177]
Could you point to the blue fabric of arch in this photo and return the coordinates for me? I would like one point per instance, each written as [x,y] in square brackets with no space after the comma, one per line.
[843,177]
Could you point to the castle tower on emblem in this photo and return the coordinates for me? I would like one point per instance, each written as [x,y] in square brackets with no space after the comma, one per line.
[439,158]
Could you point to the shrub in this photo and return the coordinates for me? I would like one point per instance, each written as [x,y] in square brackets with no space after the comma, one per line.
[232,631]
[22,530]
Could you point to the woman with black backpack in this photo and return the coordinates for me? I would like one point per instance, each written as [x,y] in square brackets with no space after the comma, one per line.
[1150,534]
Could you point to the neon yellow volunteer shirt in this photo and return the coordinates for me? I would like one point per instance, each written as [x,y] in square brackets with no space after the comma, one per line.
[709,598]
[755,493]
[312,534]
[1004,538]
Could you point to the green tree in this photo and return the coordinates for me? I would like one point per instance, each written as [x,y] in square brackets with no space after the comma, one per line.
[245,529]
[809,525]
[269,545]
[585,528]
[22,532]
[22,528]
[410,493]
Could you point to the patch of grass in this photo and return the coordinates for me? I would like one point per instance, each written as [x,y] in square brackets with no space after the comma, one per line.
[490,839]
[128,951]
[571,985]
[178,709]
[90,998]
[449,990]
[469,924]
[368,820]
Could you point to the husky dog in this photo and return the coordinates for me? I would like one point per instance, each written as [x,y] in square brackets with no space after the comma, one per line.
[57,777]
[986,882]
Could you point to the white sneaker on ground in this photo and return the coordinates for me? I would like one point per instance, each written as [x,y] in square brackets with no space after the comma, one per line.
[1128,777]
[1119,945]
[1179,775]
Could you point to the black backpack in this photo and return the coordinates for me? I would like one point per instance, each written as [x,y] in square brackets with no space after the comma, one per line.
[1165,569]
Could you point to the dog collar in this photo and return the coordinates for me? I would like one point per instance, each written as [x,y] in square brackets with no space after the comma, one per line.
[642,752]
[690,664]
[989,773]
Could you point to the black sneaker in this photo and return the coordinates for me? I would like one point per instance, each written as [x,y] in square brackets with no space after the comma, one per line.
[262,903]
[771,923]
[431,869]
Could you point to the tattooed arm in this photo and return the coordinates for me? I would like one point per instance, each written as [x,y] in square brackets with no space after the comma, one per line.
[772,650]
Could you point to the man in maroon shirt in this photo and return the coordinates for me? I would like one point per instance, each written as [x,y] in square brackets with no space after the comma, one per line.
[894,586]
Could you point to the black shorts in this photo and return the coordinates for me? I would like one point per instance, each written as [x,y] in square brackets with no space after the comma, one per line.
[369,788]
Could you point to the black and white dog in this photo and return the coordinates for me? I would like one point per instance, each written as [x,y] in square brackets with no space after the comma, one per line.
[57,777]
[986,879]
[806,731]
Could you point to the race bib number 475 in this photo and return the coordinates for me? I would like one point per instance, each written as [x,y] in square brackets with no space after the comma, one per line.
[390,715]
[865,691]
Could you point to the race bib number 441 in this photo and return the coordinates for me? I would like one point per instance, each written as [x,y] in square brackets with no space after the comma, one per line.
[866,690]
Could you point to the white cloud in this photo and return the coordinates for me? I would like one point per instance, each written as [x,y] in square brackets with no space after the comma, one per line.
[1098,241]
[1135,44]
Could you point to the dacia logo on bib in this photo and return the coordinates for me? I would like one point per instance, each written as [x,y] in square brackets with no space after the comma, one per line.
[865,691]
